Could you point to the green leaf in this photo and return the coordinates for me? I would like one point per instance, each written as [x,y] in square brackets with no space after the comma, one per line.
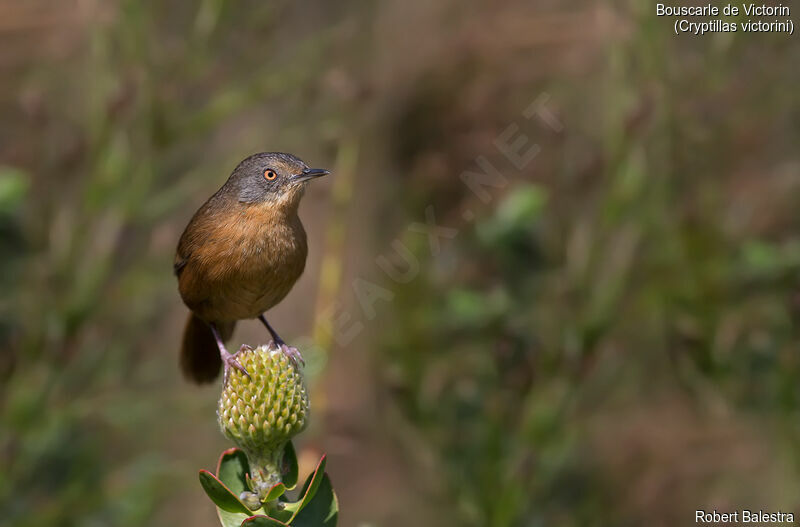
[323,510]
[231,480]
[232,470]
[313,480]
[290,458]
[262,521]
[220,494]
[275,492]
[232,519]
[281,515]
[309,490]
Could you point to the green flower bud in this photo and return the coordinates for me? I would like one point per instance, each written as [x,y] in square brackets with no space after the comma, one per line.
[261,413]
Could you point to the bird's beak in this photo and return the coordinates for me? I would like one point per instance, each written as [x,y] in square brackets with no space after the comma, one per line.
[309,173]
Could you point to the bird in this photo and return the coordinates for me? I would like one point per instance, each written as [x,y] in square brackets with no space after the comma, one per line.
[239,256]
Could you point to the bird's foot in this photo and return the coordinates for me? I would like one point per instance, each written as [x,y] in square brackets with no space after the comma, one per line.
[229,361]
[290,351]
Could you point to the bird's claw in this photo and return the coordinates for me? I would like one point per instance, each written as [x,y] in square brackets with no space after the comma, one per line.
[293,354]
[230,362]
[290,351]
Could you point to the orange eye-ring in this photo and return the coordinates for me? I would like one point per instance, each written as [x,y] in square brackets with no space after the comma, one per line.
[270,174]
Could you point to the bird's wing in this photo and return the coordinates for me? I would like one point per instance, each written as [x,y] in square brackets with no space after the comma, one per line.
[192,292]
[182,255]
[188,240]
[179,263]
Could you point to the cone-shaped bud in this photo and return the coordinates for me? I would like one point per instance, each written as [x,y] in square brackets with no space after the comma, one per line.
[261,413]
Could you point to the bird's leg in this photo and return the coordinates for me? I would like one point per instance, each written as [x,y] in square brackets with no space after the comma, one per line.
[228,360]
[290,351]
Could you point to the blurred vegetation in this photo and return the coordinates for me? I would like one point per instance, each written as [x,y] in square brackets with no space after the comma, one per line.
[635,283]
[612,340]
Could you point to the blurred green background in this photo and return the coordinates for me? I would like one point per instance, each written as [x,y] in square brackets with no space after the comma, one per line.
[605,334]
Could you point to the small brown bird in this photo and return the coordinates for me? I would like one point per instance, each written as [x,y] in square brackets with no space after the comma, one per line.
[241,253]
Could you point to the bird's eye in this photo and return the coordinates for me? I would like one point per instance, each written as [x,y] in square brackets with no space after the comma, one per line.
[270,174]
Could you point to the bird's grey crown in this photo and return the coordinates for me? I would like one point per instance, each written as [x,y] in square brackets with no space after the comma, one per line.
[256,160]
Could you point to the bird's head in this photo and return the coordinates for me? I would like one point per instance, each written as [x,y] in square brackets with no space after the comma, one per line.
[272,177]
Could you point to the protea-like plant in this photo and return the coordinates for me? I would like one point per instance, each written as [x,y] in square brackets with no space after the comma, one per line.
[261,412]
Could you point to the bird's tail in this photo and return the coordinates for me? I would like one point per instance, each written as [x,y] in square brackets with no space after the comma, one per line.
[200,361]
